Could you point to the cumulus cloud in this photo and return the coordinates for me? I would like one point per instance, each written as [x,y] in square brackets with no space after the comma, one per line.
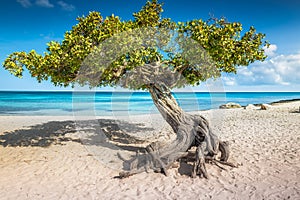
[271,50]
[44,3]
[229,81]
[281,70]
[66,6]
[24,3]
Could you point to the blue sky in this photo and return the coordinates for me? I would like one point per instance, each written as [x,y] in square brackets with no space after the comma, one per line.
[30,24]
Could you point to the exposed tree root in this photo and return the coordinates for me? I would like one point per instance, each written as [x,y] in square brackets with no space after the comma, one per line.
[153,162]
[191,131]
[160,157]
[199,165]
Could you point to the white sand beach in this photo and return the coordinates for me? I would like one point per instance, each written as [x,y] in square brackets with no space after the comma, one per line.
[42,157]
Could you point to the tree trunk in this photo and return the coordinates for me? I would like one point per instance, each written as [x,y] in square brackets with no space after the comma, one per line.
[190,131]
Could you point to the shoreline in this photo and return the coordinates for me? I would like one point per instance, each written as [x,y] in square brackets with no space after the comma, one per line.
[42,158]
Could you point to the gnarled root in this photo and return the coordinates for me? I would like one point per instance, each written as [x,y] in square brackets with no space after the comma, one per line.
[159,157]
[208,145]
[200,159]
[199,165]
[224,149]
[156,159]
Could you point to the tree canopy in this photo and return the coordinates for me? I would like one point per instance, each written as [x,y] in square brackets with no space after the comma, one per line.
[62,61]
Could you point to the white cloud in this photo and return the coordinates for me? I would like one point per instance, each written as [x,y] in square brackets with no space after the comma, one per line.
[271,50]
[44,3]
[277,71]
[41,3]
[229,81]
[280,70]
[66,6]
[25,3]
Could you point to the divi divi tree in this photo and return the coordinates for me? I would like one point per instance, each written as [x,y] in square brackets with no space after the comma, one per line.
[154,54]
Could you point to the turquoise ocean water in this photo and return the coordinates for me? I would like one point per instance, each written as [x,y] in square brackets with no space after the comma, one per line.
[112,103]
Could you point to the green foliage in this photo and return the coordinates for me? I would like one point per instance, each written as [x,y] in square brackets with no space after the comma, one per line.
[62,61]
[224,44]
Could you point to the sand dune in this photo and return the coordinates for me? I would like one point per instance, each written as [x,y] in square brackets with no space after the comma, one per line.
[44,157]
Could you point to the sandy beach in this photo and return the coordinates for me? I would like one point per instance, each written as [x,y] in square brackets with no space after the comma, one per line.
[44,157]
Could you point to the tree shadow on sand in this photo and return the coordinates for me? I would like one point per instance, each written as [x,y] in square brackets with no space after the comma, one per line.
[120,134]
[60,132]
